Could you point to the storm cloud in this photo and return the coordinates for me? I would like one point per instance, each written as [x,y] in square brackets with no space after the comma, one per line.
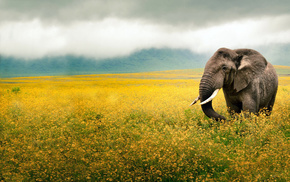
[101,29]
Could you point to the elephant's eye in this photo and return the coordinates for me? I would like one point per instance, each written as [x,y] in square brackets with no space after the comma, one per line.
[224,68]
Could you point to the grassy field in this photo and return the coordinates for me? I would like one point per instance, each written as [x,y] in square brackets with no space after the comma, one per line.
[135,127]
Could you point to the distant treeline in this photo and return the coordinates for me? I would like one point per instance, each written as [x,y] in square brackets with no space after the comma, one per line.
[141,61]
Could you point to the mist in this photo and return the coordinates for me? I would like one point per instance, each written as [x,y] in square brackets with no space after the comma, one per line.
[102,29]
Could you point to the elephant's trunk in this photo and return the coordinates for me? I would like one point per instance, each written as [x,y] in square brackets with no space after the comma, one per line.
[209,112]
[207,90]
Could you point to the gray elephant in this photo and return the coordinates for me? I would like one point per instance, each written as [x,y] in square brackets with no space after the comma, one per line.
[249,82]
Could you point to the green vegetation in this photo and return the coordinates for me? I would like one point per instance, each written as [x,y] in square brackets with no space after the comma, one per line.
[135,127]
[283,70]
[15,90]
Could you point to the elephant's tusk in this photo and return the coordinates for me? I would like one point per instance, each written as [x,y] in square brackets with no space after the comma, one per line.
[211,97]
[197,99]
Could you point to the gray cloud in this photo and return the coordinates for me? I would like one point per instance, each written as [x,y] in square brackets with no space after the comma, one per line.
[106,28]
[182,12]
[199,13]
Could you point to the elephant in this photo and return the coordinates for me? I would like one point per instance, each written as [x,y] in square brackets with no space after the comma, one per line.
[248,80]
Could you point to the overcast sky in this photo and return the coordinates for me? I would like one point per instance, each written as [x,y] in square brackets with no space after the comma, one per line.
[109,28]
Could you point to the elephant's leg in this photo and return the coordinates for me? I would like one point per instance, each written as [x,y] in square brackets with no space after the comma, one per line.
[234,108]
[250,107]
[251,104]
[233,104]
[270,105]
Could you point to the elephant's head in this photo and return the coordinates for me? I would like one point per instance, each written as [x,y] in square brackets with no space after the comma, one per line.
[227,68]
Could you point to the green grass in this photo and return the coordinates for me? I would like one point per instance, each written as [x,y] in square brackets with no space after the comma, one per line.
[283,70]
[129,128]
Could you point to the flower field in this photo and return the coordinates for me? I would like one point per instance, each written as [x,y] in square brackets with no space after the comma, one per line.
[135,127]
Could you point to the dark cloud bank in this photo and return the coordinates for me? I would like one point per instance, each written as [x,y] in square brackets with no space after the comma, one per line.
[103,28]
[183,12]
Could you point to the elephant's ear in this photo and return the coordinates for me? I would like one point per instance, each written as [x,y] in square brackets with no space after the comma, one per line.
[248,68]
